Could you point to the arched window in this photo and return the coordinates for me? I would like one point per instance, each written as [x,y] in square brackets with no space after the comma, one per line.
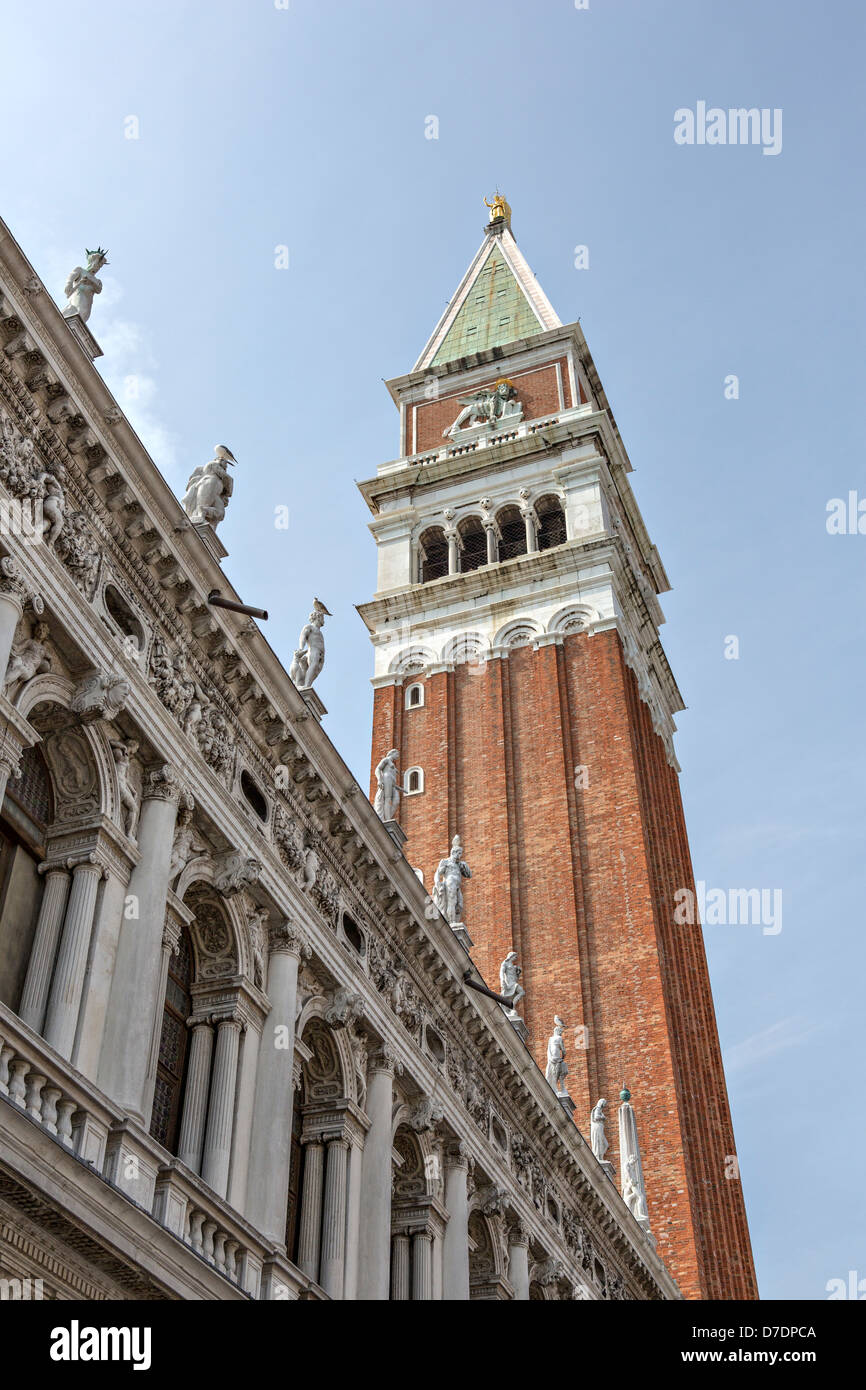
[354,935]
[28,810]
[413,781]
[414,696]
[474,538]
[173,1047]
[513,531]
[254,795]
[551,522]
[432,554]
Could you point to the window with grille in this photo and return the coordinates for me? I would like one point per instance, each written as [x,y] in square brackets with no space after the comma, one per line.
[551,523]
[434,556]
[513,532]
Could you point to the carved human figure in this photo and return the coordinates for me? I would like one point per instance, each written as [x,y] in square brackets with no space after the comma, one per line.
[448,884]
[311,867]
[122,753]
[83,283]
[258,925]
[47,487]
[209,488]
[557,1069]
[485,407]
[632,1194]
[309,657]
[28,657]
[597,1136]
[186,844]
[79,552]
[387,802]
[498,208]
[509,983]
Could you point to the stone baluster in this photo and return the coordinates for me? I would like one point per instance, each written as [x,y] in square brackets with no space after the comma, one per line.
[218,1137]
[195,1093]
[518,1260]
[135,996]
[270,1147]
[400,1268]
[310,1229]
[43,953]
[64,1001]
[422,1266]
[332,1263]
[455,1249]
[375,1234]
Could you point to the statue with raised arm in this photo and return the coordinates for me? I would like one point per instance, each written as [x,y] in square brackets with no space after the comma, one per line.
[209,488]
[309,657]
[29,657]
[510,987]
[448,884]
[499,208]
[387,802]
[83,283]
[557,1070]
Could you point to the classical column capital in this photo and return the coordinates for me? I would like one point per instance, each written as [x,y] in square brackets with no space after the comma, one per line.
[384,1058]
[14,586]
[290,937]
[456,1154]
[518,1232]
[161,783]
[171,935]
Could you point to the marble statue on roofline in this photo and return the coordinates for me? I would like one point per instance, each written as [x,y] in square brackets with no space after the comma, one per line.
[448,884]
[387,802]
[510,987]
[557,1068]
[209,488]
[309,655]
[82,284]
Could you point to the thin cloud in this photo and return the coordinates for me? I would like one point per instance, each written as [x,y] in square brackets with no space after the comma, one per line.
[761,1047]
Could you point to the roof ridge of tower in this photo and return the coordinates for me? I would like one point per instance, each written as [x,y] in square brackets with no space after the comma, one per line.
[532,303]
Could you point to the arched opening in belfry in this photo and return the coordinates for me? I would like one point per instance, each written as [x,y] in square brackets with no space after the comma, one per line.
[512,528]
[473,553]
[432,554]
[551,522]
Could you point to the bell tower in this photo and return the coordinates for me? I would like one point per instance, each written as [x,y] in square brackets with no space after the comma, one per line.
[520,676]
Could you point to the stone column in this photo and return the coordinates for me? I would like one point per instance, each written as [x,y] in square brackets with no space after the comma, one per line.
[422,1267]
[221,1109]
[65,998]
[375,1233]
[400,1268]
[455,1250]
[492,549]
[13,596]
[270,1147]
[531,535]
[43,954]
[518,1261]
[353,1220]
[100,968]
[310,1229]
[135,996]
[195,1093]
[334,1219]
[453,551]
[251,1037]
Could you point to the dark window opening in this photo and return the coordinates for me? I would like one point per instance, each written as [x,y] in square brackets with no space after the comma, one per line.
[434,556]
[474,553]
[551,523]
[173,1048]
[513,529]
[255,797]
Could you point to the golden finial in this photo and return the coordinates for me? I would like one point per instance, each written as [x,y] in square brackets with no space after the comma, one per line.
[499,208]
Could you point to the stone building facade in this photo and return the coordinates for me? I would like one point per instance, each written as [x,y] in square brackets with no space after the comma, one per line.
[521,679]
[239,1057]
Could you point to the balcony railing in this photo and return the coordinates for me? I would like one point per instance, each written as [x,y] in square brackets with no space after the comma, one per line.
[85,1123]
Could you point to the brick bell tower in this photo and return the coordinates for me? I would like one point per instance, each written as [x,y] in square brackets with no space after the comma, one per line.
[520,675]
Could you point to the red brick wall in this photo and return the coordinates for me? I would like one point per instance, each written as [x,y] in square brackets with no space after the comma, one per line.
[580,882]
[538,392]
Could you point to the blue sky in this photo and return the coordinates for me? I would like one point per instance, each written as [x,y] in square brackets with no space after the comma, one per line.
[261,127]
